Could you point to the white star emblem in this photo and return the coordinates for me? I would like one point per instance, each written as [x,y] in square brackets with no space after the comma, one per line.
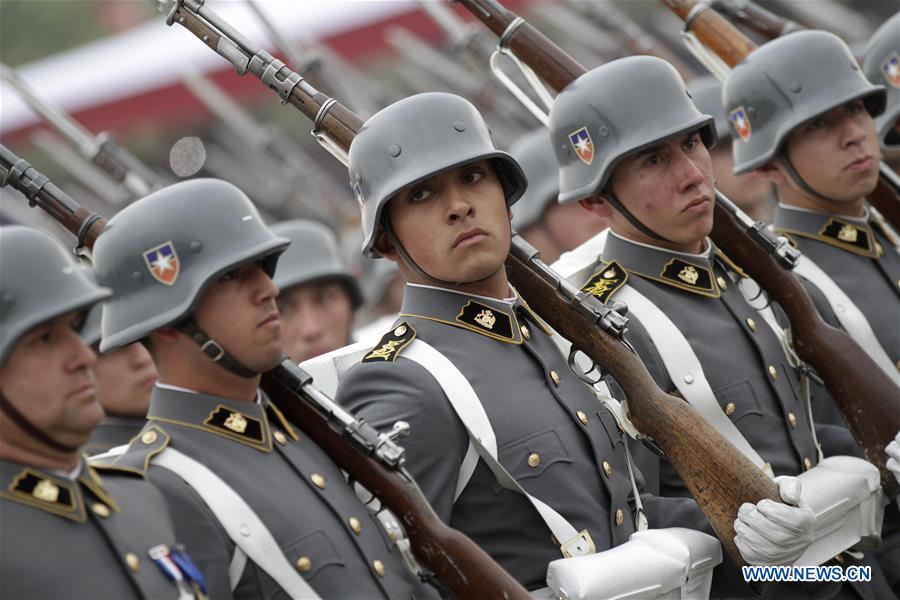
[582,145]
[163,263]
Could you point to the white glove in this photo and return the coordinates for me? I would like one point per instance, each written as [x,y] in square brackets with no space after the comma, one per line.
[893,452]
[772,533]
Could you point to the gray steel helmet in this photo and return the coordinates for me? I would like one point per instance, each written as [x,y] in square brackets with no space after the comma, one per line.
[313,256]
[417,138]
[786,82]
[90,332]
[882,66]
[614,111]
[39,281]
[534,152]
[706,92]
[159,254]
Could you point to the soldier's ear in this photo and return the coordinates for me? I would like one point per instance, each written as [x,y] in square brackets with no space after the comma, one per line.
[597,205]
[385,248]
[773,172]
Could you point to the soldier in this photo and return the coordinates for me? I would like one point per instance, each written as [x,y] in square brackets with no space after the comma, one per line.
[821,152]
[537,216]
[191,268]
[752,192]
[317,295]
[67,532]
[650,174]
[882,67]
[809,126]
[124,379]
[435,197]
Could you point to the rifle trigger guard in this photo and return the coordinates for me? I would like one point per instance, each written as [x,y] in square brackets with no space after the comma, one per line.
[583,375]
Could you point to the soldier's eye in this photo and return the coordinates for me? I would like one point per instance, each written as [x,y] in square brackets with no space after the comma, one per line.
[233,273]
[815,124]
[420,195]
[473,176]
[855,108]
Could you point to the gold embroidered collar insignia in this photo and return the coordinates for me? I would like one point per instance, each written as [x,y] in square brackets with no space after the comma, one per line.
[690,277]
[606,281]
[487,320]
[54,495]
[848,236]
[237,425]
[391,344]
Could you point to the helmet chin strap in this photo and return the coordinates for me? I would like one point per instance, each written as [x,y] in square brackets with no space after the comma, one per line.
[30,428]
[214,350]
[789,167]
[389,231]
[609,197]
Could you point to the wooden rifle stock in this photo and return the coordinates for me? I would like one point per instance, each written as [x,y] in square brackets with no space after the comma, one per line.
[460,564]
[716,474]
[756,18]
[732,46]
[866,395]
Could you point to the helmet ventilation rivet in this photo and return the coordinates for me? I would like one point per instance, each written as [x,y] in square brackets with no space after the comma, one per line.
[137,277]
[394,150]
[796,87]
[196,247]
[459,126]
[603,132]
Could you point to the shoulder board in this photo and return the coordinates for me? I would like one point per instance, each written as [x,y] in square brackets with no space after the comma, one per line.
[391,344]
[137,456]
[606,281]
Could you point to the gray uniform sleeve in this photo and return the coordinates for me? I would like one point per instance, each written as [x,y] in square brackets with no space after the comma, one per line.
[383,393]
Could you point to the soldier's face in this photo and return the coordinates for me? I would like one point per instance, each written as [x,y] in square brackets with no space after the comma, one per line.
[125,379]
[836,153]
[316,319]
[669,188]
[238,311]
[48,378]
[455,225]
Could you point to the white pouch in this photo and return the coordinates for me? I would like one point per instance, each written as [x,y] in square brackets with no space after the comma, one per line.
[675,563]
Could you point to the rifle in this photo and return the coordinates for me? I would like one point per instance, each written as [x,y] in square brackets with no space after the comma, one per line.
[717,474]
[373,459]
[724,40]
[103,150]
[866,395]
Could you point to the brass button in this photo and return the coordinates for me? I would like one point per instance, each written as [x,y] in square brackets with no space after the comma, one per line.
[304,564]
[582,417]
[792,419]
[534,459]
[379,567]
[101,510]
[400,330]
[355,525]
[807,463]
[729,408]
[773,372]
[555,377]
[607,469]
[620,516]
[149,437]
[133,562]
[318,480]
[525,332]
[280,438]
[751,324]
[721,281]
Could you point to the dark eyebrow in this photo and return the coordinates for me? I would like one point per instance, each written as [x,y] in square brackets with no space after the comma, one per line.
[650,150]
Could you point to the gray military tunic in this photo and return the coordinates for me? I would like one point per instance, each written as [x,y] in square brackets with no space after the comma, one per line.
[745,366]
[82,538]
[113,431]
[859,255]
[322,528]
[553,436]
